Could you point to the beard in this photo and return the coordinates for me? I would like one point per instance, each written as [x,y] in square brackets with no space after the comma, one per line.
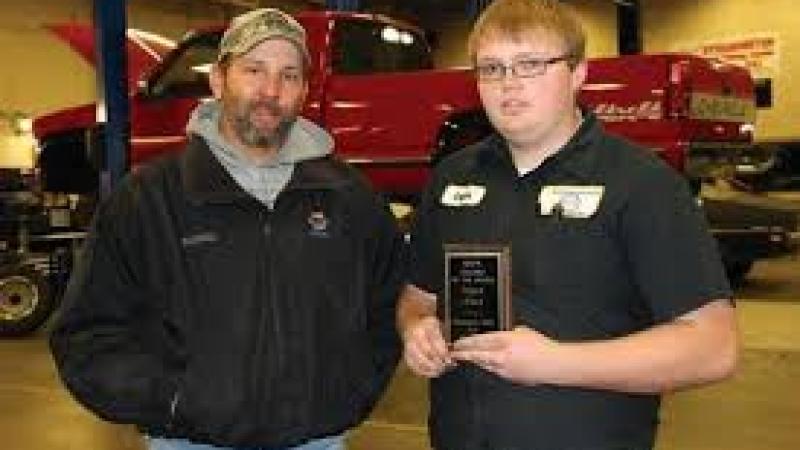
[240,113]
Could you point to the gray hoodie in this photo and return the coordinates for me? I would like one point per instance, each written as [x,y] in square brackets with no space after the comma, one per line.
[306,140]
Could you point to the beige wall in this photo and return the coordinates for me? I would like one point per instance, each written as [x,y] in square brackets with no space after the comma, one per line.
[669,24]
[598,17]
[40,73]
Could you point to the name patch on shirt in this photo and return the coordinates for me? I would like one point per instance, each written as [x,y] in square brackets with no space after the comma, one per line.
[463,195]
[575,202]
[203,237]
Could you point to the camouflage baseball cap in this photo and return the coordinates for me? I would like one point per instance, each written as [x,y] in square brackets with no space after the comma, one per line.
[251,28]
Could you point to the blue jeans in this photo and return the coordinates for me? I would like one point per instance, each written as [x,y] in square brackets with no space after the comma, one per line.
[327,443]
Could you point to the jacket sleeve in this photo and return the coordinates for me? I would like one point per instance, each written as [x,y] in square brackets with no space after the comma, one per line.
[386,266]
[106,340]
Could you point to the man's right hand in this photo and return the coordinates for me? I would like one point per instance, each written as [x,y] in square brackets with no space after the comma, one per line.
[424,348]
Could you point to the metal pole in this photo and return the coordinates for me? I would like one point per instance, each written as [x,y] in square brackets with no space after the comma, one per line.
[476,7]
[112,90]
[629,27]
[342,5]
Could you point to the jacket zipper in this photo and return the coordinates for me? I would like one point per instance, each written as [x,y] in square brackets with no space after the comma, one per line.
[268,356]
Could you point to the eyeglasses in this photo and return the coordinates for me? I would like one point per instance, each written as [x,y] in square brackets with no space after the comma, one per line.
[521,68]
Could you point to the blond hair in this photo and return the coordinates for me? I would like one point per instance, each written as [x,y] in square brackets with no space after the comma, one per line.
[515,18]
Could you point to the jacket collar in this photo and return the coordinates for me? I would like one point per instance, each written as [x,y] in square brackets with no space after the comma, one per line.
[205,180]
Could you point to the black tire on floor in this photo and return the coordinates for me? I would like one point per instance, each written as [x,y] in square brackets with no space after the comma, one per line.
[25,303]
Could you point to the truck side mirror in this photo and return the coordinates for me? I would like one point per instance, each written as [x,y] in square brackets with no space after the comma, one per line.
[142,88]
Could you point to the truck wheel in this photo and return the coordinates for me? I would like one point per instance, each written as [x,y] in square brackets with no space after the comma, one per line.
[737,271]
[24,300]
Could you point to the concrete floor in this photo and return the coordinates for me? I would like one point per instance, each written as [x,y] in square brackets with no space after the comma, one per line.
[757,410]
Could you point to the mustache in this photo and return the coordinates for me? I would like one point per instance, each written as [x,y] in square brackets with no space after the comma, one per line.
[270,105]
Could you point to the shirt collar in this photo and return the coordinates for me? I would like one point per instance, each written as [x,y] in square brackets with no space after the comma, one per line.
[571,159]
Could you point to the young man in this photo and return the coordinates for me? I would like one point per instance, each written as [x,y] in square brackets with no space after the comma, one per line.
[241,294]
[617,290]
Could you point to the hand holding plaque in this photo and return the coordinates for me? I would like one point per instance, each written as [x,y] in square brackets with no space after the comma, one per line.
[477,294]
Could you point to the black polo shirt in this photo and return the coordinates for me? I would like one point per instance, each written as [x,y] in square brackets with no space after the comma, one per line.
[642,256]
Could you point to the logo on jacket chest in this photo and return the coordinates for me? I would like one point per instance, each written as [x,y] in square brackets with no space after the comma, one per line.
[318,223]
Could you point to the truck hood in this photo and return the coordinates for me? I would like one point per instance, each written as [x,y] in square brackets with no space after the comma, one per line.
[145,50]
[78,117]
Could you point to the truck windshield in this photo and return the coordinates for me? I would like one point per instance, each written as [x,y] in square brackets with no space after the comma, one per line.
[366,47]
[185,73]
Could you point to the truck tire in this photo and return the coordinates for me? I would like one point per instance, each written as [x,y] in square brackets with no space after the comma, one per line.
[737,271]
[25,303]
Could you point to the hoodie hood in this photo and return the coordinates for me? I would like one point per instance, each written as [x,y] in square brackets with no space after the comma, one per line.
[306,140]
[265,181]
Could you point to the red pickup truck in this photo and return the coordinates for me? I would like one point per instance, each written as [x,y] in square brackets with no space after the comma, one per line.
[373,87]
[393,115]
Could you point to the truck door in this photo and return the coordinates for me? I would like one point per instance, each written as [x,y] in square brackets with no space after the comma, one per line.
[372,103]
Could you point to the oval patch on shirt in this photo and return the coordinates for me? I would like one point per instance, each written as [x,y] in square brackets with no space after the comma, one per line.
[463,195]
[576,202]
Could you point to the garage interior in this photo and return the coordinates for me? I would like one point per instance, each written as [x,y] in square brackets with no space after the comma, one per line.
[759,409]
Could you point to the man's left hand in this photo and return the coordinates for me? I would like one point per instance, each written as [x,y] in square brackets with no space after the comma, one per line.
[523,355]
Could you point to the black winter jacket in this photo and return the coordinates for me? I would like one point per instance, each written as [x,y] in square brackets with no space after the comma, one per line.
[197,312]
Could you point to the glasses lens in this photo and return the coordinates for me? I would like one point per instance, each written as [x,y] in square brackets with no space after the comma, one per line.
[528,68]
[491,71]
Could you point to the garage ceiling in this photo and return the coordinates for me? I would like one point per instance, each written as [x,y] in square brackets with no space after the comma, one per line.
[424,12]
[422,6]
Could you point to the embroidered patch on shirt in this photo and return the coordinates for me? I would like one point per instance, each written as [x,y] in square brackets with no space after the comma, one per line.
[575,202]
[463,195]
